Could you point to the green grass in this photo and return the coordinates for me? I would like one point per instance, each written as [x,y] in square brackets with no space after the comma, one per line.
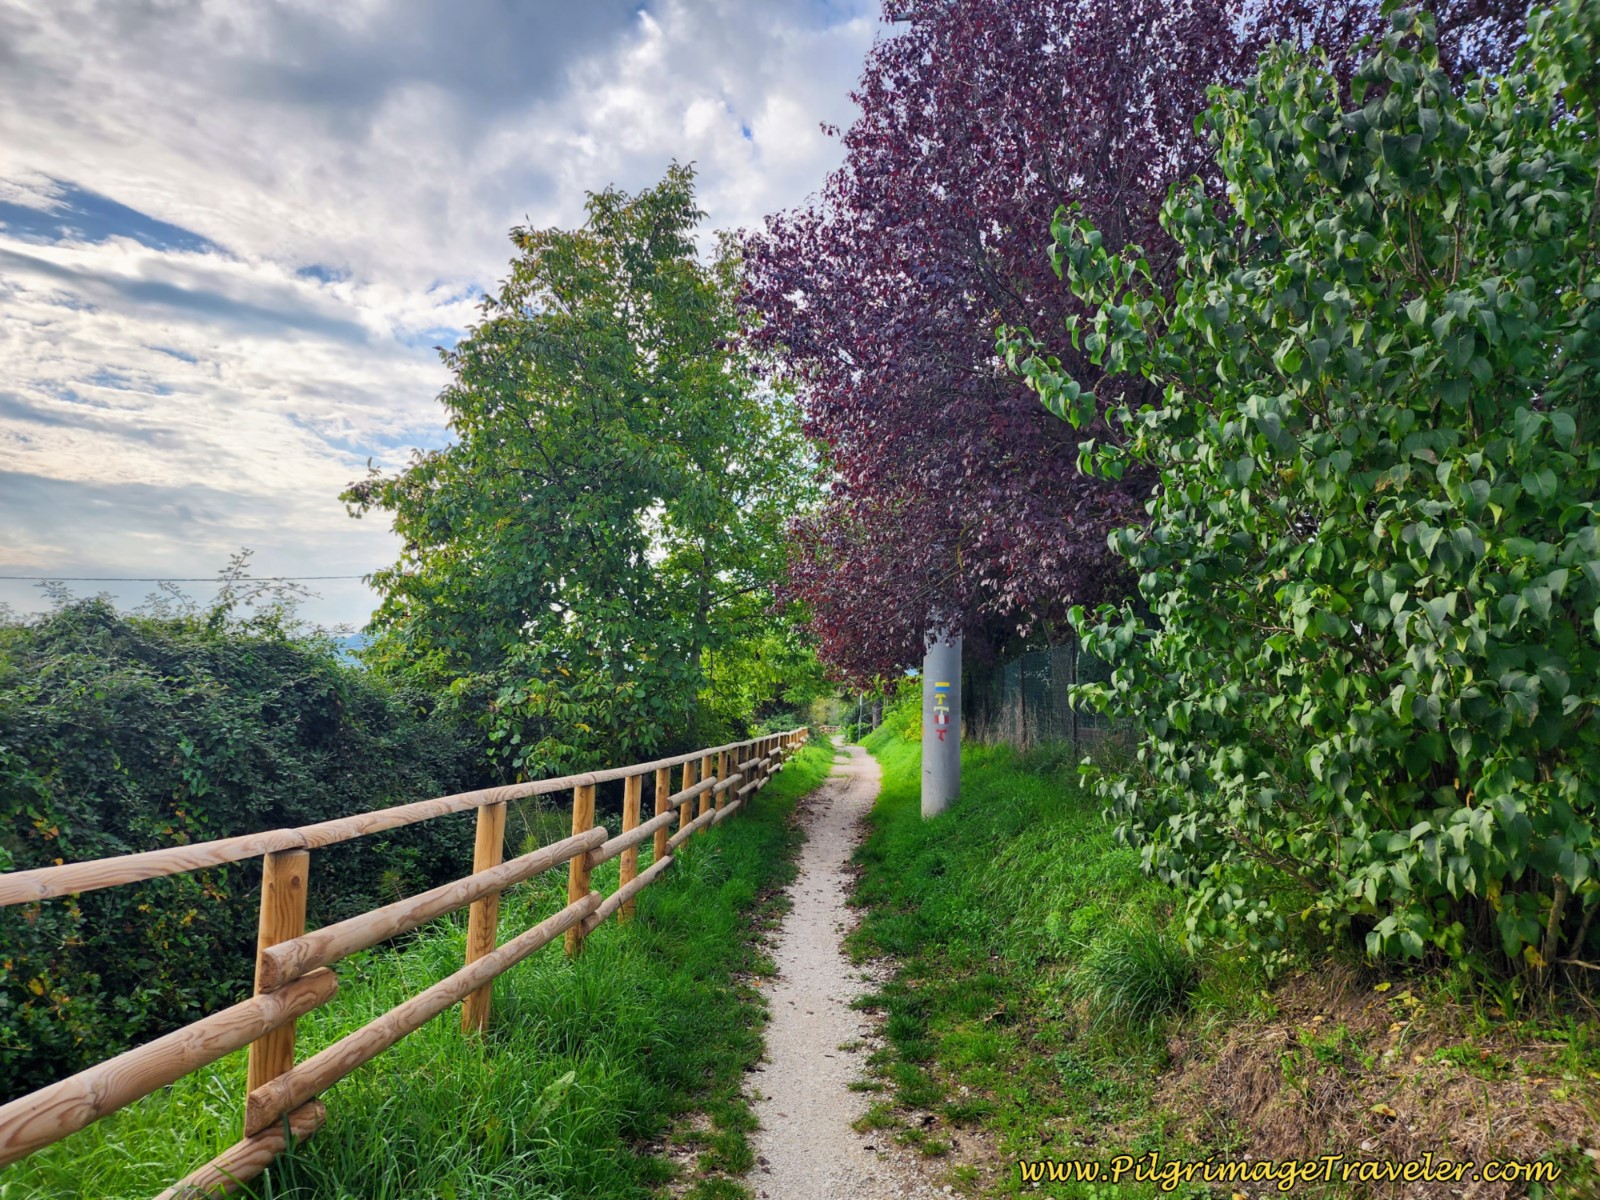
[1042,980]
[1135,974]
[1039,968]
[587,1063]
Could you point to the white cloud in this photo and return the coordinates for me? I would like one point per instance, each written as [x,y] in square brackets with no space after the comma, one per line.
[335,181]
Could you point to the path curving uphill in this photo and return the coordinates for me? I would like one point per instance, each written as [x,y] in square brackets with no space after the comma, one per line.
[806,1148]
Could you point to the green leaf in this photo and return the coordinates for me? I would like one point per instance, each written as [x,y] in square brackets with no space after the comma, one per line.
[1540,484]
[1377,613]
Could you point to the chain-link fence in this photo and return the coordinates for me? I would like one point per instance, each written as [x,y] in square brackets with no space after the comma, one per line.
[1024,701]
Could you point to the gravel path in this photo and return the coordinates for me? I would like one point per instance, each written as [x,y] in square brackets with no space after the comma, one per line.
[806,1149]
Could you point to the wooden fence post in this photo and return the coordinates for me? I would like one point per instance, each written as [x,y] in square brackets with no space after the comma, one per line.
[663,790]
[483,922]
[578,869]
[285,875]
[632,793]
[706,771]
[722,774]
[683,809]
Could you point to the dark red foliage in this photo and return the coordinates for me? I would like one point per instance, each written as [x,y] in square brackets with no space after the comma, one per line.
[953,490]
[1474,35]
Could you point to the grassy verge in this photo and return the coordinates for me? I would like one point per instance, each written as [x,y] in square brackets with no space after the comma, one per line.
[588,1068]
[1044,1000]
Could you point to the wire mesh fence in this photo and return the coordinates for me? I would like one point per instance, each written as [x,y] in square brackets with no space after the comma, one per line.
[1024,701]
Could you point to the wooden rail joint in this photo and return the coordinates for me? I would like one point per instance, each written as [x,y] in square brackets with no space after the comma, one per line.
[269,1102]
[286,961]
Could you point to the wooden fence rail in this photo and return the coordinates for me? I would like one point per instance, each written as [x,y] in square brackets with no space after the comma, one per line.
[293,972]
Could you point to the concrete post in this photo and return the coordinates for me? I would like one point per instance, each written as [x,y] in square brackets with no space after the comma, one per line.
[941,723]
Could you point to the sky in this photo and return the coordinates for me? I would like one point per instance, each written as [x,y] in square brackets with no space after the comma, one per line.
[232,236]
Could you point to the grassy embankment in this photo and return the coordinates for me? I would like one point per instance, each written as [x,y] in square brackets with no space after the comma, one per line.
[1044,1001]
[588,1073]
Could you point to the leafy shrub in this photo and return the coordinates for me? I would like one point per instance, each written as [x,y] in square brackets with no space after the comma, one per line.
[122,734]
[780,721]
[1367,690]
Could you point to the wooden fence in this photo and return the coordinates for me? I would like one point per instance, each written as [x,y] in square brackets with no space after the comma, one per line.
[293,974]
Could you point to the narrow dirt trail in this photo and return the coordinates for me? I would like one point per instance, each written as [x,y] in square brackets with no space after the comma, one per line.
[806,1148]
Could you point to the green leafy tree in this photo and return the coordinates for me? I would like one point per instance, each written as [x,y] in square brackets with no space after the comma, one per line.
[612,506]
[770,678]
[1366,684]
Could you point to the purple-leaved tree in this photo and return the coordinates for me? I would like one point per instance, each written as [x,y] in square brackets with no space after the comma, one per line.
[952,490]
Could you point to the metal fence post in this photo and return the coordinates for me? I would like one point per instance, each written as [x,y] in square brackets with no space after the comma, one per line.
[1072,704]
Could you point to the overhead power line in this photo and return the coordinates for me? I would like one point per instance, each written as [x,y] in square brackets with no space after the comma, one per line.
[171,579]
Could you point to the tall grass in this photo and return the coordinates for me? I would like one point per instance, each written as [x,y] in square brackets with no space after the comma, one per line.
[1039,969]
[1136,974]
[1022,867]
[1043,985]
[588,1061]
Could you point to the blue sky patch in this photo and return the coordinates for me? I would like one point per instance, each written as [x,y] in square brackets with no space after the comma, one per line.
[455,295]
[372,444]
[80,215]
[180,355]
[212,307]
[428,339]
[323,274]
[116,381]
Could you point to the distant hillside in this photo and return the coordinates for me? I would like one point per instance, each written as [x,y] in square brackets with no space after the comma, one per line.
[350,643]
